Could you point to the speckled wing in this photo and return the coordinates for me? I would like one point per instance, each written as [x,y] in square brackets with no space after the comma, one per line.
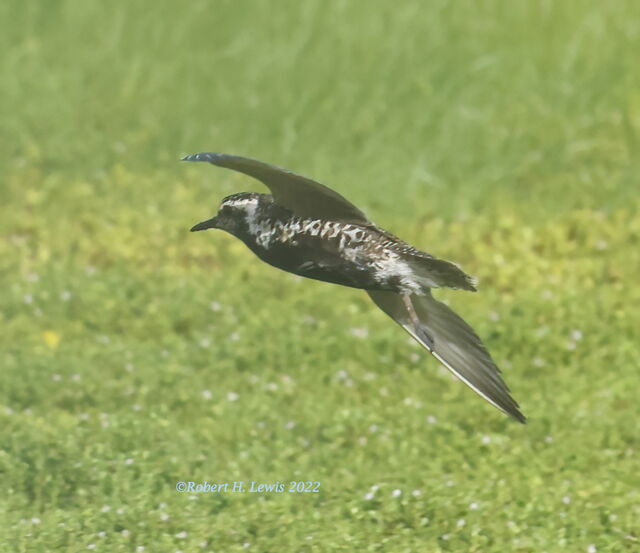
[303,196]
[454,343]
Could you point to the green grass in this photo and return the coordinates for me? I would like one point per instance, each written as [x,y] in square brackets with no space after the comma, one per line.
[135,355]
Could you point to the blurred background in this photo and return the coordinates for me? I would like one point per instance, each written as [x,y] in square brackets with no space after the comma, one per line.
[135,355]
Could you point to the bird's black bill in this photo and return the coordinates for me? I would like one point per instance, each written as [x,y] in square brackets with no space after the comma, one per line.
[204,225]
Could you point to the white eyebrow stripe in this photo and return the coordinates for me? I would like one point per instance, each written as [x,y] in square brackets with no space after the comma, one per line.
[241,201]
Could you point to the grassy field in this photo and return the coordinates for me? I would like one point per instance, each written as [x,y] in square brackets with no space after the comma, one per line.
[135,355]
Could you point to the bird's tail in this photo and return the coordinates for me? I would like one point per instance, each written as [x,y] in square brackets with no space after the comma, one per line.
[453,342]
[432,272]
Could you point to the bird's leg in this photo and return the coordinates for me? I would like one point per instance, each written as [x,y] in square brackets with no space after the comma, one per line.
[415,321]
[413,316]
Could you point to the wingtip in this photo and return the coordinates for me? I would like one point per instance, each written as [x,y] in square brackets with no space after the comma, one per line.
[517,415]
[202,156]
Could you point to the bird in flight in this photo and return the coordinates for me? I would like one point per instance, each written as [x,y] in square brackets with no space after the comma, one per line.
[307,229]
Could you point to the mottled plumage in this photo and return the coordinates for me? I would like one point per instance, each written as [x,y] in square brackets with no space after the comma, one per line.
[307,229]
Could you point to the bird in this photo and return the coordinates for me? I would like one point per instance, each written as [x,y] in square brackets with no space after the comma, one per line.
[306,228]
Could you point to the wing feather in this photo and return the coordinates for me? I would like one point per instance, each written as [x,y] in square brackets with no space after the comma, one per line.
[303,196]
[454,343]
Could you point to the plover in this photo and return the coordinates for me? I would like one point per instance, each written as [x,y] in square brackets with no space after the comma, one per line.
[306,228]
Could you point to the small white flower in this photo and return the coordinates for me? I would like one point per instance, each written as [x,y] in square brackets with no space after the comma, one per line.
[234,337]
[289,425]
[548,439]
[566,500]
[396,493]
[416,493]
[28,298]
[369,496]
[35,520]
[136,407]
[431,419]
[101,534]
[373,428]
[206,394]
[601,245]
[571,345]
[128,461]
[215,306]
[473,506]
[538,362]
[591,548]
[494,316]
[375,488]
[450,483]
[576,335]
[613,517]
[105,508]
[120,511]
[181,535]
[205,343]
[246,545]
[232,396]
[204,543]
[486,439]
[125,533]
[91,546]
[65,295]
[56,377]
[460,523]
[308,319]
[342,375]
[75,377]
[445,537]
[164,517]
[359,332]
[140,549]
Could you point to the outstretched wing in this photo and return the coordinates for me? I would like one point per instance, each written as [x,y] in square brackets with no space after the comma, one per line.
[303,196]
[454,343]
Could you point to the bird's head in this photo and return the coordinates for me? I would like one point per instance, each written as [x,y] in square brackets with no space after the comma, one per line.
[234,215]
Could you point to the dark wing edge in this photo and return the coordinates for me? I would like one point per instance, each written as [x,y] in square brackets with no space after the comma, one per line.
[303,196]
[454,344]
